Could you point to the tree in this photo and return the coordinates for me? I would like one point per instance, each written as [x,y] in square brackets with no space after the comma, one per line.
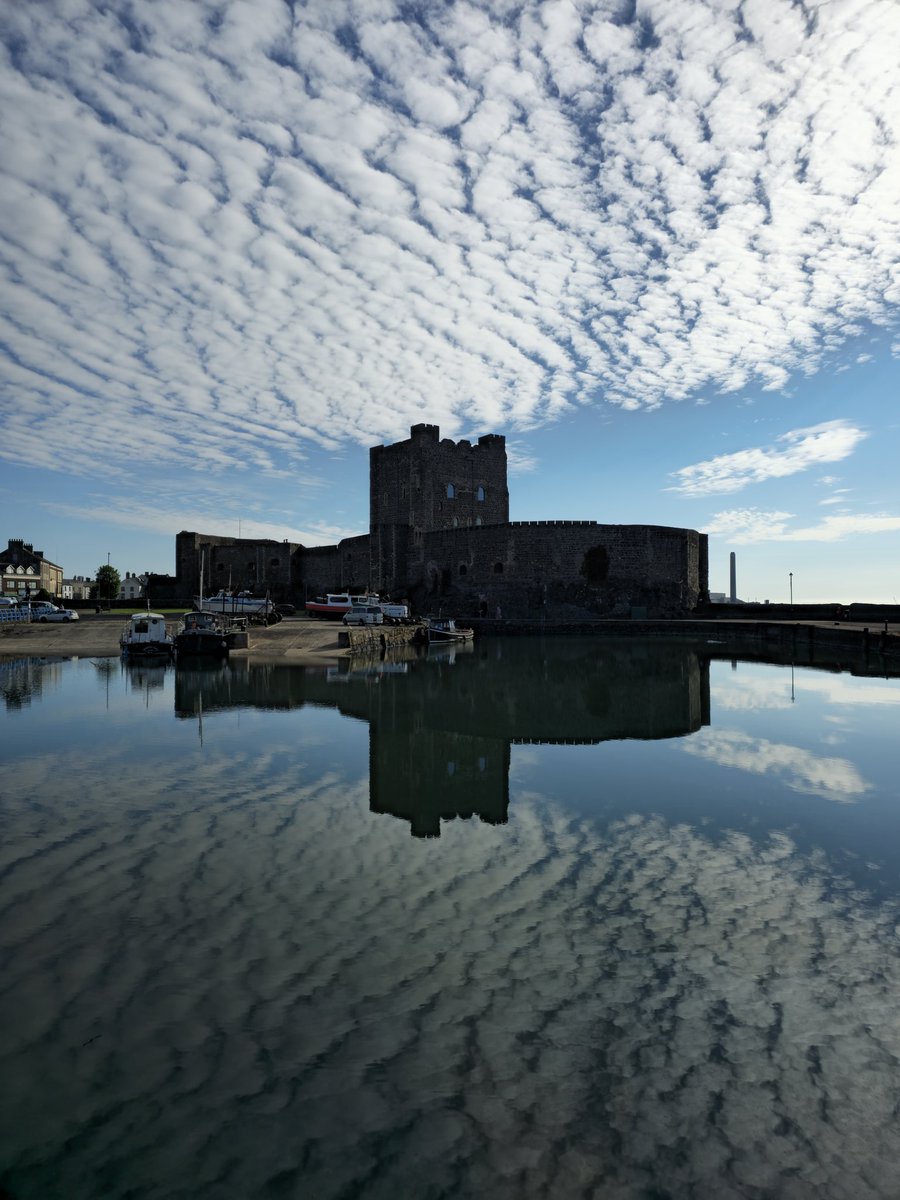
[107,582]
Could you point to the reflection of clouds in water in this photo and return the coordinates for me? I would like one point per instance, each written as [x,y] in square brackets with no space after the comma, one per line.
[831,778]
[257,981]
[848,690]
[834,739]
[842,722]
[522,764]
[744,691]
[749,693]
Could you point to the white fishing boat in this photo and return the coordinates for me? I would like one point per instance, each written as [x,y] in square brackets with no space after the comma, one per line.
[146,635]
[238,604]
[336,604]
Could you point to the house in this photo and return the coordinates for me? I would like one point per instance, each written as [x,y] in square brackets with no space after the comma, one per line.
[24,571]
[76,588]
[132,587]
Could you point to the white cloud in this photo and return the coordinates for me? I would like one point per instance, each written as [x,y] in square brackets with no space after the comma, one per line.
[746,525]
[169,519]
[839,496]
[795,451]
[227,238]
[521,458]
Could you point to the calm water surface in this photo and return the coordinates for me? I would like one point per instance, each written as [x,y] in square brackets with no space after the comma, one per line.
[560,920]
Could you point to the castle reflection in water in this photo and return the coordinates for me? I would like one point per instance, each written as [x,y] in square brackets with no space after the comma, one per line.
[441,727]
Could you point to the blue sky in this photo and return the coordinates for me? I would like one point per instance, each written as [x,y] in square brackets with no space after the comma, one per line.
[654,244]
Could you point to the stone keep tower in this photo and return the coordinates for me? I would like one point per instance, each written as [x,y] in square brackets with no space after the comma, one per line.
[425,484]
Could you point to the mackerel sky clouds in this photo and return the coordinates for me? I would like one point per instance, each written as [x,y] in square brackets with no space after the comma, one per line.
[654,244]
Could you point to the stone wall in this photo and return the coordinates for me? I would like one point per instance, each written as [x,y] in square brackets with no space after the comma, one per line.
[242,564]
[427,483]
[409,481]
[563,568]
[340,568]
[319,571]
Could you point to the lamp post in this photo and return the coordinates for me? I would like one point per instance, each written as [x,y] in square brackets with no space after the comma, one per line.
[791,586]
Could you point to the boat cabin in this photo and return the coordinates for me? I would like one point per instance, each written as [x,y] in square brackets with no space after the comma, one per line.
[146,633]
[199,620]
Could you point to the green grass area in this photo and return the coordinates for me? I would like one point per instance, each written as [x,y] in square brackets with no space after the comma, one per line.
[119,611]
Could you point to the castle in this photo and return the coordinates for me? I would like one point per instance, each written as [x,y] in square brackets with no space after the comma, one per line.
[440,536]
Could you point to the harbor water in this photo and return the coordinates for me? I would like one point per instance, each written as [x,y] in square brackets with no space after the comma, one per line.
[520,919]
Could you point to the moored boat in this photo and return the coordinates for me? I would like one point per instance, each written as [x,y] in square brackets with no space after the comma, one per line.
[335,604]
[201,634]
[238,604]
[445,629]
[146,635]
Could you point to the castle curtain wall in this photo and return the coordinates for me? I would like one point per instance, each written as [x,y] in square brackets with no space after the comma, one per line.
[319,570]
[559,568]
[340,568]
[250,564]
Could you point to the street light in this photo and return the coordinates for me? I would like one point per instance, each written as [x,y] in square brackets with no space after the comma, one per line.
[791,585]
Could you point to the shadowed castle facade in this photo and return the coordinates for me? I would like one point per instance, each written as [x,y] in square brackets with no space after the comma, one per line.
[440,535]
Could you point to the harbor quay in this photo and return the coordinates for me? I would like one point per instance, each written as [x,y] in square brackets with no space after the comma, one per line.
[863,648]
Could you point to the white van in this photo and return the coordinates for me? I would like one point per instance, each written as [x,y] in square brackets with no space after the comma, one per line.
[395,614]
[364,614]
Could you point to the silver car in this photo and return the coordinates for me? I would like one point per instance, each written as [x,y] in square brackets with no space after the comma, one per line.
[58,614]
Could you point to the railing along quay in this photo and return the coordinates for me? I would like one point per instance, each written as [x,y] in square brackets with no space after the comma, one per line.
[9,615]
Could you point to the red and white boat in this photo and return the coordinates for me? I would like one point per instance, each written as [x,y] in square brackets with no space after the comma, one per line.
[335,604]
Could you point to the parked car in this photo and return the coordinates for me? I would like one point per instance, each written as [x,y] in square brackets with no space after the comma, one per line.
[6,602]
[37,608]
[58,614]
[364,614]
[286,610]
